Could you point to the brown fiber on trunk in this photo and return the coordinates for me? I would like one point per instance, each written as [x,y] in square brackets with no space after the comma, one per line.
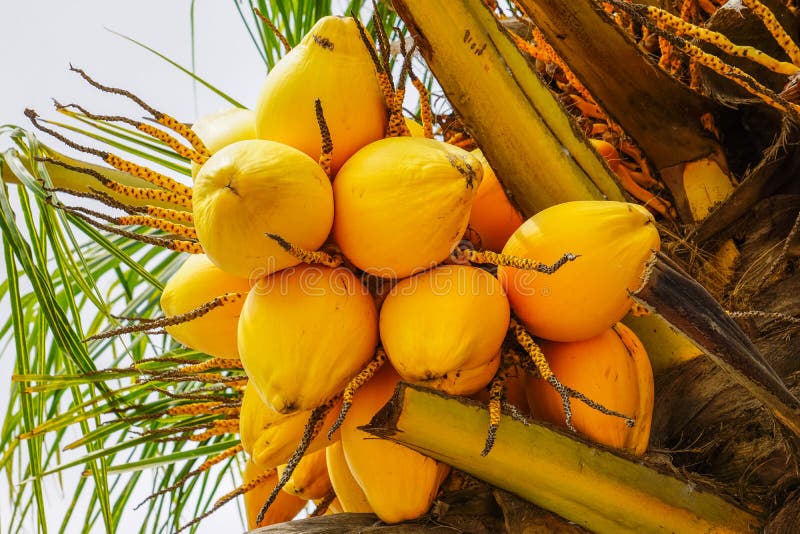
[708,424]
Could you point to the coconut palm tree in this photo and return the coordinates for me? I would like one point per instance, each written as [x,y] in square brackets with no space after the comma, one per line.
[725,426]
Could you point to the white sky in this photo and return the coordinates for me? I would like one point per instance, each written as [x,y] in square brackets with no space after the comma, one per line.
[38,40]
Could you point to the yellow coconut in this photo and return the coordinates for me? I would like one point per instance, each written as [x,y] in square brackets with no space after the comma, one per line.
[195,283]
[403,203]
[614,241]
[399,483]
[612,369]
[351,496]
[304,333]
[255,187]
[443,328]
[493,216]
[309,479]
[284,508]
[269,439]
[332,64]
[222,128]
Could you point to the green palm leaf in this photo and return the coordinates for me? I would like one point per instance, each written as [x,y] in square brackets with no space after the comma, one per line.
[101,408]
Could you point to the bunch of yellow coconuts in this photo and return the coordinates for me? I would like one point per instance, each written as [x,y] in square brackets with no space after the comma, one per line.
[389,212]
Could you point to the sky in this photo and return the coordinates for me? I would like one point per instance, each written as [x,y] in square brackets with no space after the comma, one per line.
[38,41]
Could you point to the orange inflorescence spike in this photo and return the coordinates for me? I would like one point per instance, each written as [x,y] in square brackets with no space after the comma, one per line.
[149,175]
[497,390]
[397,124]
[218,428]
[384,80]
[162,118]
[771,23]
[148,129]
[213,363]
[163,322]
[425,111]
[173,143]
[158,224]
[359,380]
[307,256]
[493,258]
[166,213]
[312,430]
[205,466]
[326,156]
[665,19]
[185,132]
[530,48]
[141,193]
[199,408]
[688,10]
[539,360]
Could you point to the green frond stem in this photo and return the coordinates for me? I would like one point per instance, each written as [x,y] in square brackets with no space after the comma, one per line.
[310,257]
[198,312]
[311,431]
[161,118]
[364,376]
